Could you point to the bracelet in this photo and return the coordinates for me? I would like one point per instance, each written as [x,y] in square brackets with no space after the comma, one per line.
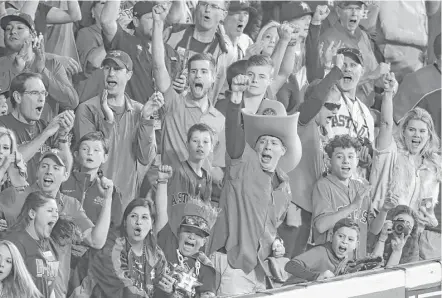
[162,181]
[64,141]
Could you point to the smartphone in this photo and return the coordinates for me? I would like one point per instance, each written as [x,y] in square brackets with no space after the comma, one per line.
[427,203]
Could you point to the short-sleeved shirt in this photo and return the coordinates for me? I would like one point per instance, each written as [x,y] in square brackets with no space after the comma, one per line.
[252,212]
[180,114]
[141,85]
[329,196]
[40,259]
[24,134]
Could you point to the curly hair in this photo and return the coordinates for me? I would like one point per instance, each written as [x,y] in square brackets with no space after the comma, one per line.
[342,141]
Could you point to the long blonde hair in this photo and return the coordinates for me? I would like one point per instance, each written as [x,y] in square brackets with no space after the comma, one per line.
[7,132]
[19,282]
[431,151]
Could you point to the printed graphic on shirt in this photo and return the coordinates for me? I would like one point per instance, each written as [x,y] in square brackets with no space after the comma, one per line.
[47,268]
[180,198]
[344,121]
[358,215]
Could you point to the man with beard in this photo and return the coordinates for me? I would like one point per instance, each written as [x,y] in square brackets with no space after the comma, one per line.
[183,111]
[34,135]
[137,46]
[28,55]
[204,37]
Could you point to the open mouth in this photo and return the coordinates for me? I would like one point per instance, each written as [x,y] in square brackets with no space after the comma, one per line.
[199,151]
[353,21]
[189,244]
[137,231]
[265,158]
[111,83]
[206,18]
[415,143]
[240,27]
[198,86]
[39,109]
[47,181]
[89,160]
[342,249]
[347,79]
[346,169]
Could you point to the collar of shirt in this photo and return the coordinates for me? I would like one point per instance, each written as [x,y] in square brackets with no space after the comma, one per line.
[333,179]
[189,103]
[357,35]
[58,197]
[128,103]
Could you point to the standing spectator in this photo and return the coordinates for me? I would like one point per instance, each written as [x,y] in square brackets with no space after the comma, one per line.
[27,54]
[314,129]
[432,104]
[125,122]
[138,46]
[406,170]
[91,53]
[17,282]
[348,32]
[34,135]
[204,37]
[256,194]
[417,84]
[182,111]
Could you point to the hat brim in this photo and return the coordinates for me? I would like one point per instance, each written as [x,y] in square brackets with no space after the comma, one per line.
[354,57]
[284,128]
[311,13]
[117,61]
[196,229]
[9,18]
[54,157]
[249,9]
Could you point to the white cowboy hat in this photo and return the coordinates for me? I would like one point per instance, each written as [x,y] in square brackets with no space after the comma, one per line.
[272,120]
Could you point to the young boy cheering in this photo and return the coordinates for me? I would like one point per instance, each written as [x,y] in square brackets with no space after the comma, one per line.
[337,196]
[322,261]
[190,180]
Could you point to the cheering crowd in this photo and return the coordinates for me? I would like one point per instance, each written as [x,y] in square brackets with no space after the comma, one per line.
[215,148]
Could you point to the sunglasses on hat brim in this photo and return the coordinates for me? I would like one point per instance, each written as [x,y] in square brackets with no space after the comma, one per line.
[332,106]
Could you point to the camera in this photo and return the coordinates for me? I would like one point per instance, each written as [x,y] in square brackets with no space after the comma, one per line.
[399,227]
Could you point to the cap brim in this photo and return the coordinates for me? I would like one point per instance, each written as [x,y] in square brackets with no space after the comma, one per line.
[7,19]
[54,157]
[249,9]
[117,61]
[354,57]
[281,127]
[195,229]
[297,16]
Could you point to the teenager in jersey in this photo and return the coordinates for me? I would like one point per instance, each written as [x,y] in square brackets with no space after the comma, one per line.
[15,280]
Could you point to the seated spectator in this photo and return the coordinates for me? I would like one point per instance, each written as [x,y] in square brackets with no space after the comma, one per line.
[36,224]
[84,183]
[130,265]
[337,195]
[54,168]
[256,194]
[417,84]
[314,129]
[406,170]
[16,280]
[347,31]
[26,54]
[189,180]
[398,241]
[12,168]
[193,231]
[127,125]
[322,261]
[34,135]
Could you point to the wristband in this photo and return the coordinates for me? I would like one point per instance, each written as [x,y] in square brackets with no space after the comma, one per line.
[162,181]
[63,141]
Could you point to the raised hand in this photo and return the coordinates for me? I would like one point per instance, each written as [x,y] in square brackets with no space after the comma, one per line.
[391,201]
[53,126]
[389,82]
[398,243]
[387,229]
[255,49]
[180,83]
[166,283]
[383,69]
[165,172]
[108,114]
[153,104]
[321,13]
[278,248]
[330,52]
[285,32]
[8,161]
[22,57]
[160,11]
[240,83]
[40,55]
[66,122]
[105,187]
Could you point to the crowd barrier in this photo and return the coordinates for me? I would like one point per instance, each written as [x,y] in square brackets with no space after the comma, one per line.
[414,280]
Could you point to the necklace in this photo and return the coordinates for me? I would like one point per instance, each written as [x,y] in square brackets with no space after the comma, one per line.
[136,267]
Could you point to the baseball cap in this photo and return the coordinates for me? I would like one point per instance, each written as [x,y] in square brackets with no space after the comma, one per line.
[347,3]
[353,53]
[121,58]
[141,8]
[55,156]
[19,17]
[294,10]
[241,5]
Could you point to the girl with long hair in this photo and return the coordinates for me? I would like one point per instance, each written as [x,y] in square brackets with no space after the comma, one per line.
[15,280]
[37,234]
[406,170]
[12,167]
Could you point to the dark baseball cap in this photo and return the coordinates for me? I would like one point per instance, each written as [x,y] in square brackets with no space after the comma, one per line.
[241,5]
[354,54]
[19,17]
[294,10]
[121,58]
[347,3]
[141,8]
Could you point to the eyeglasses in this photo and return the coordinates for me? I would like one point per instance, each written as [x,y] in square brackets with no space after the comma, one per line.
[37,93]
[211,5]
[332,106]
